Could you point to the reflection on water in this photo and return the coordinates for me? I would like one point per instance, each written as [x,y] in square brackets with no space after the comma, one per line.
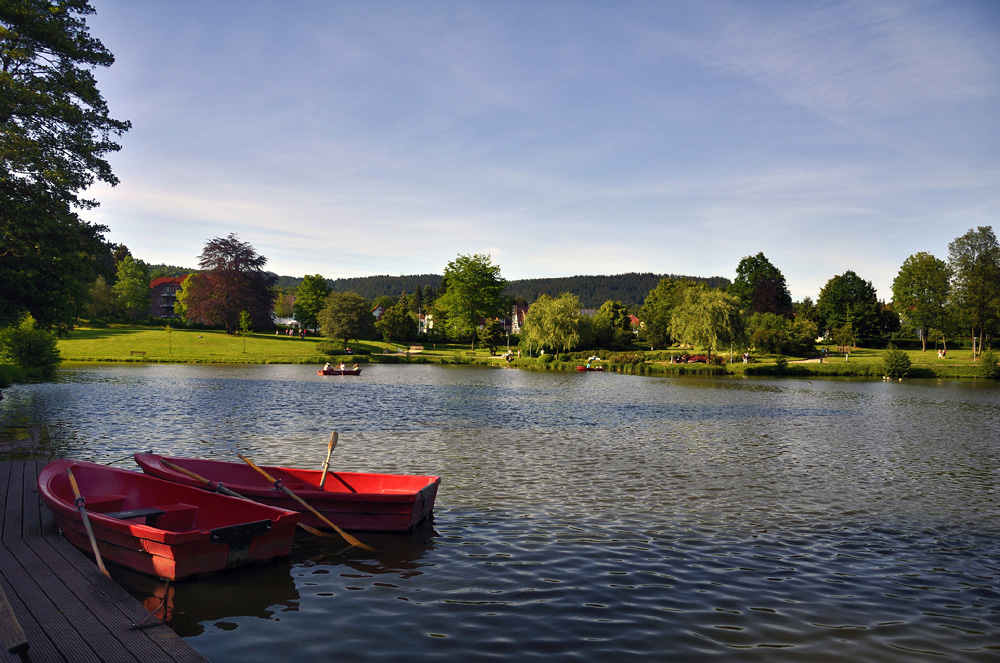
[589,516]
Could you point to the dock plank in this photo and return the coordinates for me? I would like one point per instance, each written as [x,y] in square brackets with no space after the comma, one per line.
[13,504]
[67,608]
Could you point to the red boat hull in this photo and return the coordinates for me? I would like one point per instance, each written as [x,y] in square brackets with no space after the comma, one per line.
[338,371]
[590,368]
[189,531]
[356,501]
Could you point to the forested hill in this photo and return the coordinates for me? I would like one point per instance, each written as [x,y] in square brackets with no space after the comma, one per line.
[371,287]
[592,291]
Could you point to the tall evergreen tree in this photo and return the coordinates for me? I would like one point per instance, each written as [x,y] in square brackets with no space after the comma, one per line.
[55,134]
[760,287]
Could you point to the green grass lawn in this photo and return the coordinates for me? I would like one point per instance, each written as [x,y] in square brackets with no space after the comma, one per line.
[209,346]
[201,346]
[186,346]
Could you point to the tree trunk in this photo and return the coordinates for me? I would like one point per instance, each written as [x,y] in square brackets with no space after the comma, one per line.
[923,339]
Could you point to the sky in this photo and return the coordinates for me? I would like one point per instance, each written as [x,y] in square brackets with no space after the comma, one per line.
[359,138]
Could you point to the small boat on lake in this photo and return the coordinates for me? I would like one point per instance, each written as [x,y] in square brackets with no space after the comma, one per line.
[590,368]
[358,501]
[158,527]
[339,371]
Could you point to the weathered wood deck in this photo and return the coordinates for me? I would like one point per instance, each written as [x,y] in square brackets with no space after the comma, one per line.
[67,609]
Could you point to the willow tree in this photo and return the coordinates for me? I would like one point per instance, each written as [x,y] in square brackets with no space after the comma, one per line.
[553,323]
[710,319]
[658,309]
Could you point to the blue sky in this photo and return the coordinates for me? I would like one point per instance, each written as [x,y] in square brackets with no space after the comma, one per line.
[561,138]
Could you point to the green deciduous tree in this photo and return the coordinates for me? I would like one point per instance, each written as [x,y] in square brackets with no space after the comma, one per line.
[920,292]
[657,310]
[552,323]
[132,287]
[474,291]
[246,327]
[346,315]
[975,262]
[769,333]
[760,287]
[849,298]
[710,319]
[284,303]
[100,299]
[612,317]
[396,323]
[309,299]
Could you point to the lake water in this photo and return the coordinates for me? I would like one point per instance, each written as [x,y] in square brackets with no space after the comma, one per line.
[584,517]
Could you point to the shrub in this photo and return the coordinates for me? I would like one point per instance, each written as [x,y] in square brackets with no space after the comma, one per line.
[780,364]
[988,365]
[895,362]
[30,348]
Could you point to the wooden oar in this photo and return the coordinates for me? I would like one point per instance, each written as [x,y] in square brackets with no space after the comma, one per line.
[219,488]
[288,491]
[326,463]
[86,520]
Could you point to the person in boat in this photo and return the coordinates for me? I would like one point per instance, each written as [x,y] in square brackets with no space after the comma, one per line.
[342,366]
[327,367]
[354,368]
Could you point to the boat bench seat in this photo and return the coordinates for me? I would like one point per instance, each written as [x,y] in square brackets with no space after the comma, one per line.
[151,514]
[178,517]
[103,503]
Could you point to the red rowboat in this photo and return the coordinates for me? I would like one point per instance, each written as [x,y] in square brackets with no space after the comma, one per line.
[161,528]
[339,371]
[357,501]
[590,368]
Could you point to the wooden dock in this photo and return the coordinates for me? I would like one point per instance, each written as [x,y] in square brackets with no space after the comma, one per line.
[59,606]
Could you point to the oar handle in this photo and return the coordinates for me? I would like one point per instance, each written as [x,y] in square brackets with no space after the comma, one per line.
[77,497]
[259,469]
[326,463]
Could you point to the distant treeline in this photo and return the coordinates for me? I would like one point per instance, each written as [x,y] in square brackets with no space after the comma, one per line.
[592,291]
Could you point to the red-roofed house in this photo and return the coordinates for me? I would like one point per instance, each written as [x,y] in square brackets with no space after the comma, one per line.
[163,294]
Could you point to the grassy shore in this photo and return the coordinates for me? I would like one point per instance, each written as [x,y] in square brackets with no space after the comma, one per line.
[142,344]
